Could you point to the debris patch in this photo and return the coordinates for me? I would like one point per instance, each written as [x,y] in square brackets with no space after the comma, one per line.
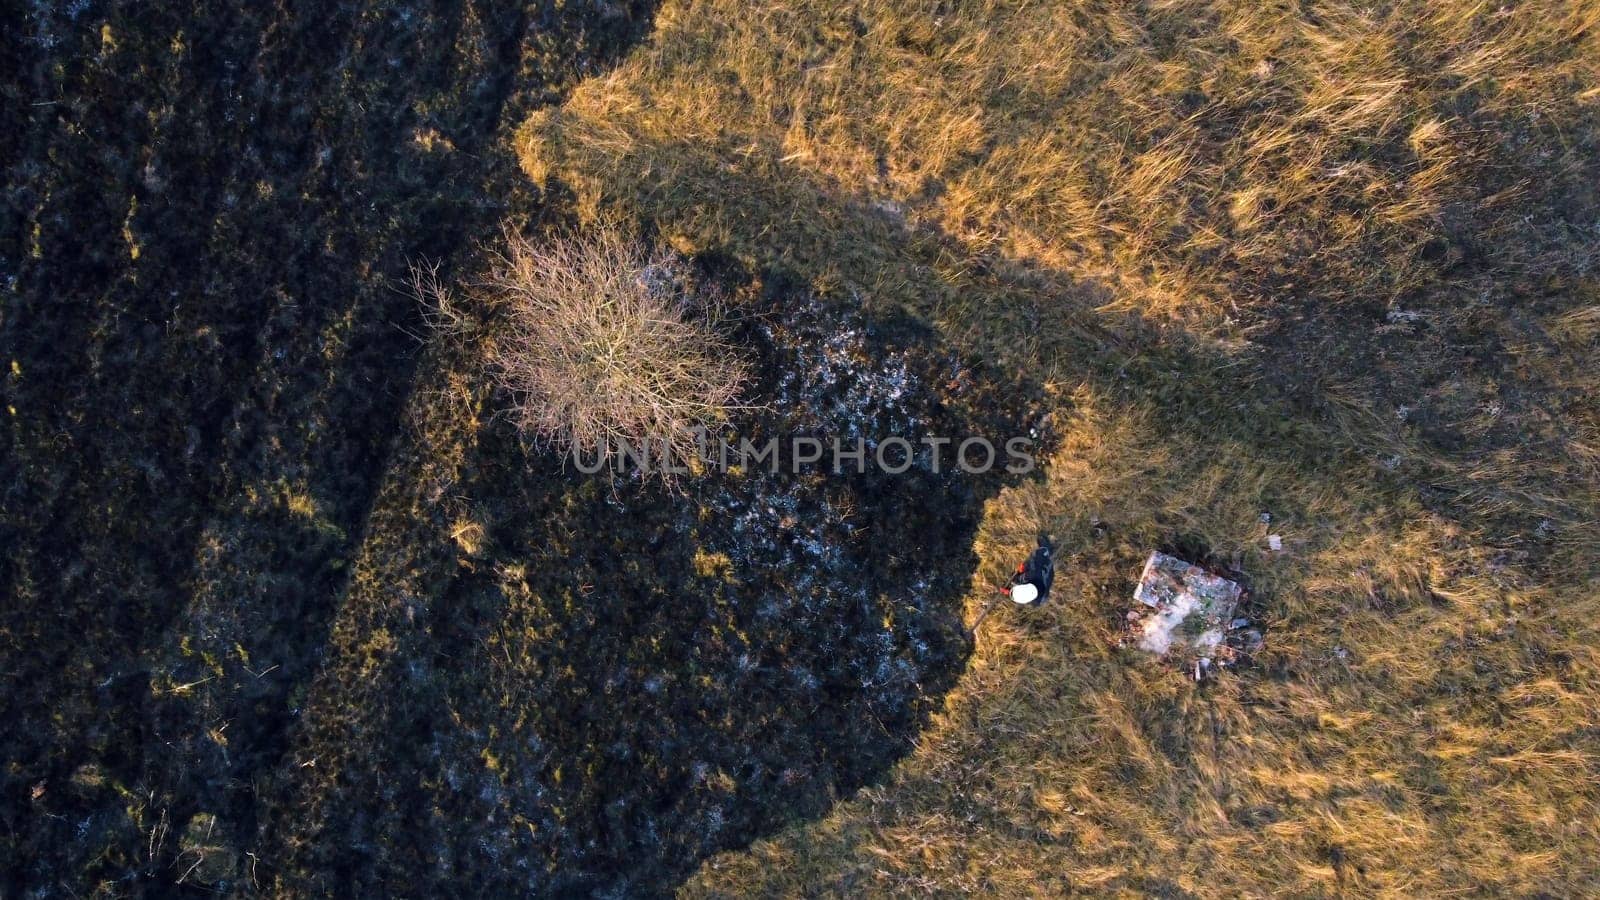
[1188,614]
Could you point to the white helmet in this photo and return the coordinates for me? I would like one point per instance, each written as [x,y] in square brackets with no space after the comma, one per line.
[1024,593]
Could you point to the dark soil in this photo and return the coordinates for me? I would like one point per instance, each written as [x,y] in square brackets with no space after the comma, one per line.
[286,610]
[597,683]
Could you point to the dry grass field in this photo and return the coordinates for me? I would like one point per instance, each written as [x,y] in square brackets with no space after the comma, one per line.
[289,606]
[1321,270]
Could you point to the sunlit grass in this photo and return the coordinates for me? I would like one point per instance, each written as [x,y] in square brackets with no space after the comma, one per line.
[1176,218]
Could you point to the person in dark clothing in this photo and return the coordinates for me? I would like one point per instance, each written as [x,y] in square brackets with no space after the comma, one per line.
[1031,585]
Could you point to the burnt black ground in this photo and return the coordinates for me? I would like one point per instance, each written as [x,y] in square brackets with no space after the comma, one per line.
[205,214]
[551,683]
[266,559]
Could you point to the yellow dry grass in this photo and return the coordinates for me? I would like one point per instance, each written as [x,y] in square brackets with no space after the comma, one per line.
[1121,200]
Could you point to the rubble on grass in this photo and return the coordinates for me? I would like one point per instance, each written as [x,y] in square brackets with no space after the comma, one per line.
[1190,616]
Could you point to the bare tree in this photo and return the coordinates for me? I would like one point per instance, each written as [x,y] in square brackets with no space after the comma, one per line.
[604,342]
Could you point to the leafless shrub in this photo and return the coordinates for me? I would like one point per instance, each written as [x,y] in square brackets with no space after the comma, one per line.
[441,311]
[603,343]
